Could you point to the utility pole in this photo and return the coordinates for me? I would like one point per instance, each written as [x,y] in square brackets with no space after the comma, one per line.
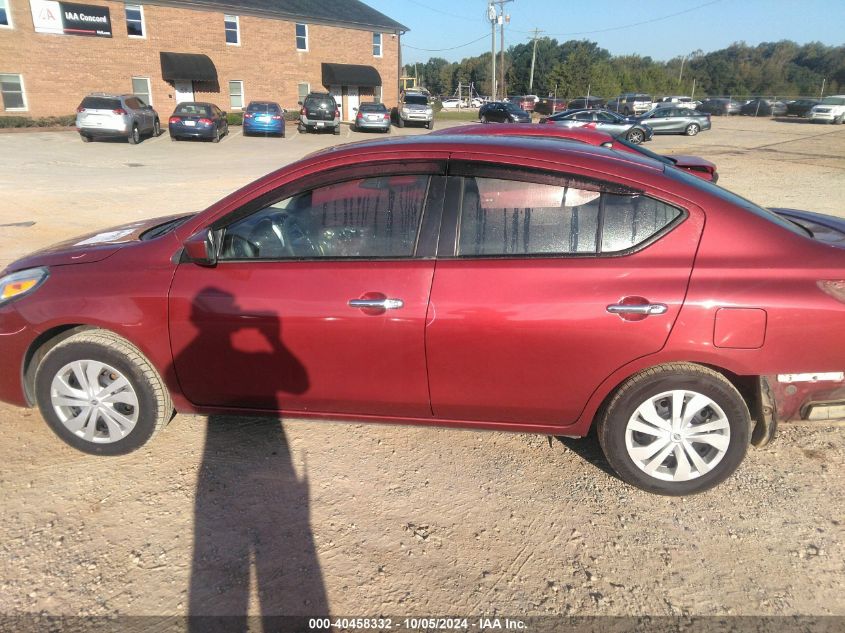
[533,58]
[497,17]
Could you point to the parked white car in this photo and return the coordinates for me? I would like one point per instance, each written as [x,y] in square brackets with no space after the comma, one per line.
[680,102]
[829,110]
[453,103]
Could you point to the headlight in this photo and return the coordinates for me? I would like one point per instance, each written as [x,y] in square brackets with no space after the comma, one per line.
[405,110]
[21,283]
[429,111]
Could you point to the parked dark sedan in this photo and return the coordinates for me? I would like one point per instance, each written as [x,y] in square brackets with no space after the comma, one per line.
[720,107]
[502,112]
[574,287]
[198,120]
[764,107]
[800,107]
[674,120]
[264,117]
[579,103]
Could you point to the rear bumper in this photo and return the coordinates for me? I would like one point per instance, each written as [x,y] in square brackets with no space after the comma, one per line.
[811,396]
[98,132]
[314,124]
[276,127]
[372,125]
[186,132]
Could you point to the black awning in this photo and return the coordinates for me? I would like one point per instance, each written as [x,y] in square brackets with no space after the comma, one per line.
[350,75]
[187,67]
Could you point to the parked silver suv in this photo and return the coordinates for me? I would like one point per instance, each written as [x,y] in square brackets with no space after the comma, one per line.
[414,107]
[102,115]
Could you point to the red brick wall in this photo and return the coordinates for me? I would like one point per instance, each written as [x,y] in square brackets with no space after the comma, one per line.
[58,70]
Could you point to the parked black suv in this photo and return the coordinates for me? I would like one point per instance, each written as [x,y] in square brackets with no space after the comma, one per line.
[319,111]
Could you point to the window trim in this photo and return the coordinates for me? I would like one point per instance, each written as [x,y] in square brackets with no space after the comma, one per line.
[149,93]
[237,20]
[25,107]
[427,233]
[296,37]
[243,95]
[11,23]
[453,208]
[380,45]
[140,8]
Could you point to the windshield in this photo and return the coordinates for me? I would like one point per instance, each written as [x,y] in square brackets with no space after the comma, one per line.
[417,99]
[833,101]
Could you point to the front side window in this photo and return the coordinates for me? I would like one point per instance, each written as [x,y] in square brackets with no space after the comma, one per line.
[375,217]
[135,20]
[141,89]
[232,25]
[236,94]
[507,218]
[302,37]
[5,17]
[376,44]
[11,87]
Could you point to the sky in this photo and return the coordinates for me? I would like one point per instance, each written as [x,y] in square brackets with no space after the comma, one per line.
[655,28]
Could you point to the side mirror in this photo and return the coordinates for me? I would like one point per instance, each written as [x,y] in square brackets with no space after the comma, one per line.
[225,113]
[201,248]
[299,102]
[355,109]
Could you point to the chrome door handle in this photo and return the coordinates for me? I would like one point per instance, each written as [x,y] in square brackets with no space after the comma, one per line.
[646,308]
[379,304]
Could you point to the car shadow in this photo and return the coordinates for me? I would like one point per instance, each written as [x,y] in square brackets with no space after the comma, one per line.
[253,549]
[589,449]
[791,119]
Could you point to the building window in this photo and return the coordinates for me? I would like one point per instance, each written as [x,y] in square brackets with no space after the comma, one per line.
[302,90]
[302,37]
[5,14]
[233,29]
[141,89]
[135,21]
[377,94]
[376,44]
[12,88]
[236,94]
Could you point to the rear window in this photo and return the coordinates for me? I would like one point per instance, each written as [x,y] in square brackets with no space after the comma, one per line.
[373,107]
[192,109]
[100,103]
[324,103]
[263,107]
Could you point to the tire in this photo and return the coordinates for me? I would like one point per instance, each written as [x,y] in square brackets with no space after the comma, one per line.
[430,125]
[838,120]
[300,128]
[692,129]
[484,119]
[216,137]
[646,400]
[134,135]
[85,138]
[156,129]
[635,136]
[144,406]
[336,130]
[400,122]
[174,138]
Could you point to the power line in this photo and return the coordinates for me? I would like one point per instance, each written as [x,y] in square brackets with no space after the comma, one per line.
[440,50]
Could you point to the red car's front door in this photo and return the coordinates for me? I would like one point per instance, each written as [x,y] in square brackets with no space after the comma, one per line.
[547,293]
[318,304]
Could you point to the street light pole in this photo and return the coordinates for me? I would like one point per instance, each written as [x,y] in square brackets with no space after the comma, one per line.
[491,15]
[495,17]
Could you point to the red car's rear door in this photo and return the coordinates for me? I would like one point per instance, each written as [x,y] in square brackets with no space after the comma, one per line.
[318,301]
[529,315]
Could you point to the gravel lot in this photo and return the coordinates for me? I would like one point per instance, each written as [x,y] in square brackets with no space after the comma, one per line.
[228,516]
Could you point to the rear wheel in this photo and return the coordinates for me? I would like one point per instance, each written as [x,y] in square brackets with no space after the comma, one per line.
[134,135]
[336,130]
[635,136]
[675,429]
[100,394]
[85,138]
[156,128]
[216,137]
[484,119]
[692,129]
[430,125]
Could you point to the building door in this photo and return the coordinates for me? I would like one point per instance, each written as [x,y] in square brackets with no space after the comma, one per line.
[184,91]
[352,101]
[337,93]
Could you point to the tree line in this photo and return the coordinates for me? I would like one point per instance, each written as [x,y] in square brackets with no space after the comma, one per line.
[571,68]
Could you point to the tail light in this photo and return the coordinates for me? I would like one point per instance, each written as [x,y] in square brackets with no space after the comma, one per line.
[80,109]
[120,111]
[276,117]
[247,116]
[387,116]
[360,116]
[302,111]
[175,119]
[337,112]
[205,121]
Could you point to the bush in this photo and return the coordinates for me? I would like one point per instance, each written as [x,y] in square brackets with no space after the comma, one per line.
[235,118]
[437,106]
[50,121]
[292,114]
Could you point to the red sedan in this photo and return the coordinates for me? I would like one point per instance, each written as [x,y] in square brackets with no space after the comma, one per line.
[698,166]
[491,283]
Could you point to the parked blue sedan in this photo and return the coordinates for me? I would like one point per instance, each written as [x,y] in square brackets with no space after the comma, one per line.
[264,117]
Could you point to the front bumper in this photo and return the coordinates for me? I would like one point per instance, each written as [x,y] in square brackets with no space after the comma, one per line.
[822,117]
[16,337]
[414,115]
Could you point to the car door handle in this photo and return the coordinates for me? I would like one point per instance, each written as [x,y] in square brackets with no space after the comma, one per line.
[378,304]
[643,308]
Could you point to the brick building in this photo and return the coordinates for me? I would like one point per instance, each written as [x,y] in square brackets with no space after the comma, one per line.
[166,51]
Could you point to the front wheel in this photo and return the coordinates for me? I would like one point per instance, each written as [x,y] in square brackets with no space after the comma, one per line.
[635,136]
[100,394]
[400,122]
[692,129]
[156,129]
[484,119]
[85,138]
[675,429]
[430,125]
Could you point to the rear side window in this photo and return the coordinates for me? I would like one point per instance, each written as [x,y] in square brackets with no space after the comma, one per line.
[100,103]
[507,218]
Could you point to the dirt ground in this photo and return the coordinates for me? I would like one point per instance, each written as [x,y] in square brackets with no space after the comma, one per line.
[227,516]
